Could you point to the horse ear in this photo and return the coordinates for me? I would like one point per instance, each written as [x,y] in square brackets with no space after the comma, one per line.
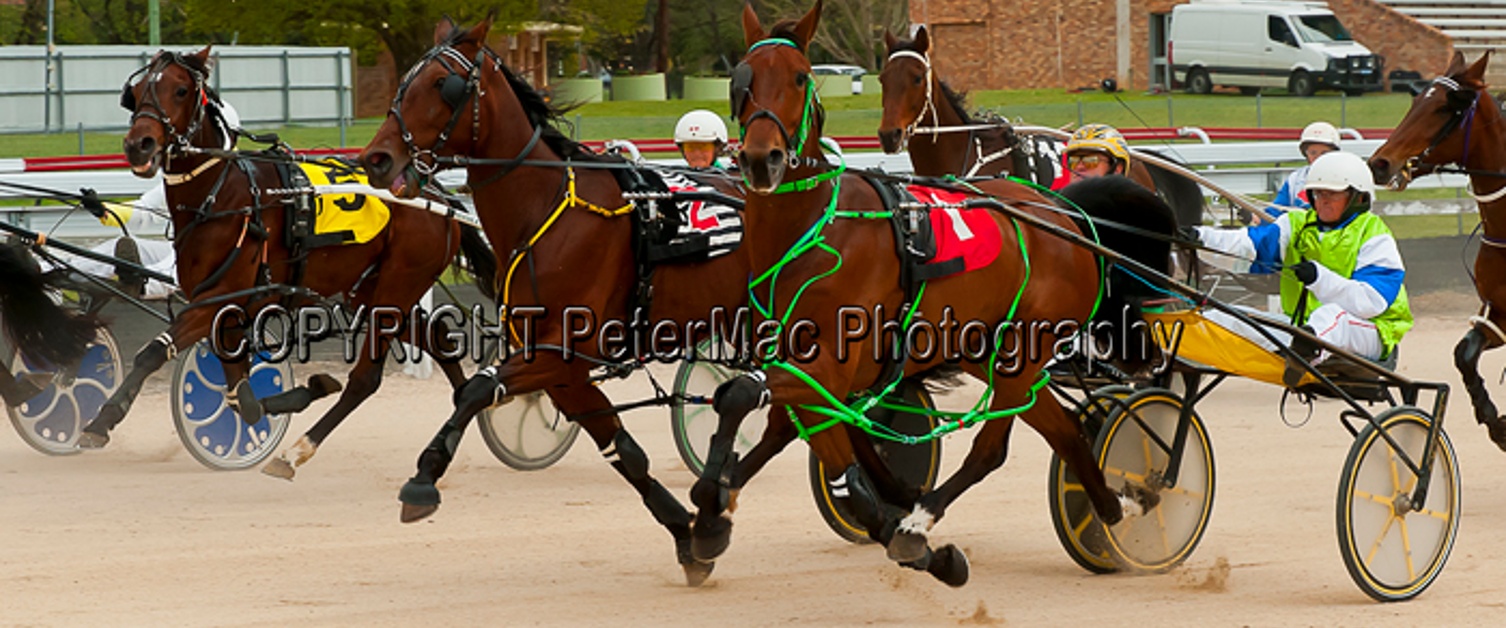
[889,41]
[443,29]
[922,41]
[1475,75]
[479,31]
[205,60]
[752,30]
[1455,65]
[806,28]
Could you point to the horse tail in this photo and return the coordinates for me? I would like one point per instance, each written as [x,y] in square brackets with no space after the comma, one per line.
[1183,194]
[39,328]
[481,263]
[1122,200]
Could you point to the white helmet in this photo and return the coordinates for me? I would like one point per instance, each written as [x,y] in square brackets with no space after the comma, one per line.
[1319,133]
[700,126]
[1339,171]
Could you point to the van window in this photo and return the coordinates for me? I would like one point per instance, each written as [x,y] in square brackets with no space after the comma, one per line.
[1278,31]
[1322,28]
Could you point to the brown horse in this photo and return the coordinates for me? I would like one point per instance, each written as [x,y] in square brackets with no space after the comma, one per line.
[231,237]
[1455,125]
[572,241]
[915,96]
[40,329]
[850,264]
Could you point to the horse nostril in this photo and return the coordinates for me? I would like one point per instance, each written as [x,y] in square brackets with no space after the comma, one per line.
[146,144]
[378,163]
[776,157]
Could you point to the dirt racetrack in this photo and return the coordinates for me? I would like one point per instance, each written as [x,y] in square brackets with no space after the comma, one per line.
[140,534]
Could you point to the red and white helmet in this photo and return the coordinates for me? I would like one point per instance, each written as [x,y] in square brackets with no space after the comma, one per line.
[1319,133]
[700,126]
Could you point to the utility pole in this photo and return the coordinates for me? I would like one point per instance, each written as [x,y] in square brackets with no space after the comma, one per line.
[47,83]
[154,22]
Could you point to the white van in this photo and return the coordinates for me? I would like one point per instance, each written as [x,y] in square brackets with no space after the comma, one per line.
[1297,45]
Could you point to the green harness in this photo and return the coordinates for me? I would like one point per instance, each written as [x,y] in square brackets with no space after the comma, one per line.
[853,411]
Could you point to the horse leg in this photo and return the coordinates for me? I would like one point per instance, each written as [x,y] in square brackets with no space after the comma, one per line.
[778,433]
[850,482]
[486,389]
[363,381]
[631,462]
[1467,360]
[712,493]
[190,327]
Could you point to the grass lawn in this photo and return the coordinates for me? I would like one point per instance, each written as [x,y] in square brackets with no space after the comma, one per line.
[859,116]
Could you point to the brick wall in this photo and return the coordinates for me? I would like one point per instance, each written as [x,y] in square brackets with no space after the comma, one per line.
[1405,43]
[1015,44]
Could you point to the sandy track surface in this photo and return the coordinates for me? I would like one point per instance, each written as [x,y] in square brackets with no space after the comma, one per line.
[140,534]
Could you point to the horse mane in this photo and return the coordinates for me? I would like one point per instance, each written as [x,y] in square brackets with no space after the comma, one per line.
[541,113]
[785,29]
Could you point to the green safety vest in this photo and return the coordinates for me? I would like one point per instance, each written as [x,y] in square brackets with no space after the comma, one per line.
[1338,251]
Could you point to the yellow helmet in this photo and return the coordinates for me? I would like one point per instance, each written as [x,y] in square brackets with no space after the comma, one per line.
[1100,137]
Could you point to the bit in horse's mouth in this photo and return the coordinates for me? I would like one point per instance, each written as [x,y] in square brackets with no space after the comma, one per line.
[150,167]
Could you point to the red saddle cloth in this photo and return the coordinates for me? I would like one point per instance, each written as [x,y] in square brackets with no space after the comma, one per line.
[969,234]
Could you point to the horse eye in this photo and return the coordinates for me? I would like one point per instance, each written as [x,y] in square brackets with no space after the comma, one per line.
[182,91]
[918,79]
[801,78]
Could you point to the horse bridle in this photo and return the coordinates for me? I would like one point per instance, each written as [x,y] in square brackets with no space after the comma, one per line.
[1459,115]
[741,87]
[153,73]
[925,60]
[461,85]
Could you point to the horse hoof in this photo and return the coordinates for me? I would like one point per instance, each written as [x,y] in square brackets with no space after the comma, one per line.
[322,385]
[696,572]
[1496,428]
[907,547]
[279,468]
[413,513]
[90,440]
[949,565]
[420,499]
[709,541]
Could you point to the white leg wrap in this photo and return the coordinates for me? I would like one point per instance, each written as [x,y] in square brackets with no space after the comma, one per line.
[918,522]
[1131,507]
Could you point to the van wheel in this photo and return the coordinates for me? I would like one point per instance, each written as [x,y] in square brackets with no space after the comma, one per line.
[1354,92]
[1301,84]
[1249,91]
[1198,82]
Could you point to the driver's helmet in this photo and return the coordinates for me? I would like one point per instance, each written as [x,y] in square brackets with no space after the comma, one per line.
[1102,138]
[1319,133]
[1340,171]
[701,126]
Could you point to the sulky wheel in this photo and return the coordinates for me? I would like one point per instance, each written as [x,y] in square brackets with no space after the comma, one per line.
[209,427]
[527,432]
[1393,547]
[1071,512]
[1134,449]
[914,465]
[51,420]
[694,423]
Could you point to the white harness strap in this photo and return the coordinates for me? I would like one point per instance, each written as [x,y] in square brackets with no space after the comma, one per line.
[1489,198]
[1484,320]
[930,100]
[179,179]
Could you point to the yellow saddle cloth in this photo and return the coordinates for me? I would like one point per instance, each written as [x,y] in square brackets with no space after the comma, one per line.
[362,216]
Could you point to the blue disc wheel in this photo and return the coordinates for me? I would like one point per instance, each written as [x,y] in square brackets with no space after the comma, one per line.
[209,427]
[51,421]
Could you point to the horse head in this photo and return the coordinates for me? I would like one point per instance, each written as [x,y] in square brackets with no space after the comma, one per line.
[1435,131]
[907,83]
[442,94]
[167,99]
[774,100]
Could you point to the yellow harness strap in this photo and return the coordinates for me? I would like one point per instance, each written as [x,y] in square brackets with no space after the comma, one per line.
[571,200]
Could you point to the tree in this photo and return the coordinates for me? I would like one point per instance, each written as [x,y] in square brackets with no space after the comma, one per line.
[705,35]
[403,27]
[616,31]
[851,31]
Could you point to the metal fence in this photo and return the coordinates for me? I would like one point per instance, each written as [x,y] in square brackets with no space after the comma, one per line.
[268,85]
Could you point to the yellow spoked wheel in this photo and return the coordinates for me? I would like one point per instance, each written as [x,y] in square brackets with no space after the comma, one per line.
[1071,512]
[1134,449]
[1392,547]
